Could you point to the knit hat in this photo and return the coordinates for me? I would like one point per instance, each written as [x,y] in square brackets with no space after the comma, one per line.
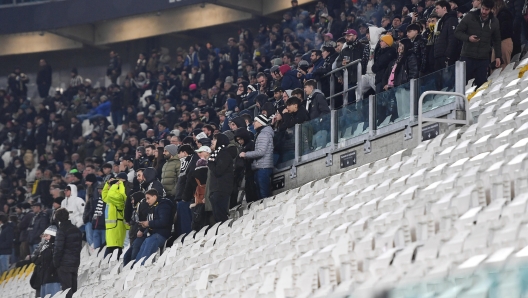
[122,175]
[172,149]
[230,135]
[78,175]
[229,80]
[262,120]
[387,39]
[192,87]
[284,68]
[205,142]
[51,230]
[201,162]
[91,178]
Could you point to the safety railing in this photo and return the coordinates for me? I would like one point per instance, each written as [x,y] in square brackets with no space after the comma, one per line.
[452,121]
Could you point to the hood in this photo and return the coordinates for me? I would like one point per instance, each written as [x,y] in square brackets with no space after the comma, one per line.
[150,175]
[269,108]
[73,190]
[231,104]
[222,140]
[240,122]
[375,34]
[261,99]
[166,203]
[243,134]
[315,92]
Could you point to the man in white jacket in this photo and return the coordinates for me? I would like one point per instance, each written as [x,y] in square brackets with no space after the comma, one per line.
[73,204]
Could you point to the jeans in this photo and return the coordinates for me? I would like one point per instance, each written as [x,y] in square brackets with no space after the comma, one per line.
[184,218]
[127,239]
[133,251]
[476,68]
[68,279]
[50,288]
[220,204]
[150,246]
[4,263]
[263,181]
[89,234]
[117,117]
[98,238]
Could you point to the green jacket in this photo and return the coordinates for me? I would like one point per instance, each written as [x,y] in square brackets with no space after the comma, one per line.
[114,196]
[488,32]
[169,175]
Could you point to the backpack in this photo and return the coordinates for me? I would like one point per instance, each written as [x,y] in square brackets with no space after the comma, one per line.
[199,193]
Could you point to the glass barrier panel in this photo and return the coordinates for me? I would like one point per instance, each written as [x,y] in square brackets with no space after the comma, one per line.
[441,80]
[284,148]
[393,105]
[315,134]
[353,120]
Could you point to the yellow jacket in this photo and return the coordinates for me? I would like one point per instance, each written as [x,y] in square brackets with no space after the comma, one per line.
[114,196]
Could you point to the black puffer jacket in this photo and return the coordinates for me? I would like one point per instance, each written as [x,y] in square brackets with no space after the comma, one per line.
[151,181]
[505,18]
[406,70]
[420,51]
[355,52]
[47,272]
[38,225]
[382,58]
[68,246]
[446,44]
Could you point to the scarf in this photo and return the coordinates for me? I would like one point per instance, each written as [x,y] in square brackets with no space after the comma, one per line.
[215,153]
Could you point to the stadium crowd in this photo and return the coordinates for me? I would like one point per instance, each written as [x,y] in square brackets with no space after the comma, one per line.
[188,135]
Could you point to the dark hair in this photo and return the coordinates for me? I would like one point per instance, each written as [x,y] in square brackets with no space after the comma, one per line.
[162,123]
[293,101]
[488,3]
[186,148]
[341,40]
[312,83]
[209,127]
[62,215]
[3,218]
[298,91]
[152,192]
[444,3]
[317,52]
[151,147]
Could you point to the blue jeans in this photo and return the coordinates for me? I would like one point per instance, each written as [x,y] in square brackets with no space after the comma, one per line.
[98,237]
[4,263]
[150,246]
[89,233]
[117,117]
[50,288]
[263,181]
[220,204]
[184,218]
[133,251]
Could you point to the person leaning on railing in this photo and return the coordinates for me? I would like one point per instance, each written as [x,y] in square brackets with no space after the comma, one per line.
[352,50]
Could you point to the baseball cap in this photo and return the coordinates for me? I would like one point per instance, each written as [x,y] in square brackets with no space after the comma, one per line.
[204,149]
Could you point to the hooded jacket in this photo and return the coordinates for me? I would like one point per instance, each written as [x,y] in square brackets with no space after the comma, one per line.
[151,181]
[221,167]
[7,234]
[115,196]
[160,217]
[290,80]
[420,51]
[68,246]
[445,41]
[263,154]
[169,175]
[75,206]
[317,105]
[187,166]
[368,51]
[248,146]
[488,32]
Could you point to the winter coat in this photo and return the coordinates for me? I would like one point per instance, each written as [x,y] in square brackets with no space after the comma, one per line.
[420,51]
[489,34]
[98,217]
[446,43]
[160,217]
[68,246]
[263,154]
[114,196]
[48,272]
[355,52]
[169,175]
[199,173]
[23,225]
[405,71]
[39,224]
[151,181]
[103,109]
[290,80]
[75,206]
[316,65]
[187,166]
[505,18]
[382,58]
[221,168]
[368,51]
[44,75]
[317,105]
[91,203]
[6,238]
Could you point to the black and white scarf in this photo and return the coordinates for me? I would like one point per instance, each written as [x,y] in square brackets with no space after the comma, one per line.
[215,153]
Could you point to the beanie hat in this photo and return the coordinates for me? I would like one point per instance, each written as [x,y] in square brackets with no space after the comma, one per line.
[91,178]
[387,39]
[230,135]
[122,175]
[78,175]
[284,68]
[192,87]
[262,119]
[51,230]
[172,149]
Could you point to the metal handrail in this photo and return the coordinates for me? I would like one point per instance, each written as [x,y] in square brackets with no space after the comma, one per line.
[454,121]
[342,67]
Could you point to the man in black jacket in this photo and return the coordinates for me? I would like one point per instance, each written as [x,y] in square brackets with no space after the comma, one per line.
[329,56]
[315,101]
[446,44]
[353,49]
[44,78]
[221,177]
[67,254]
[39,224]
[6,242]
[383,55]
[478,30]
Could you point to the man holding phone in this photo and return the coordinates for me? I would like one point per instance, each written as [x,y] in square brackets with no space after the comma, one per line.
[478,30]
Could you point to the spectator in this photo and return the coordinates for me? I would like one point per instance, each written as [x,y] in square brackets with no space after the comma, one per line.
[383,54]
[39,223]
[505,19]
[44,78]
[47,275]
[26,217]
[137,208]
[404,68]
[158,224]
[315,102]
[114,195]
[74,205]
[194,193]
[17,83]
[329,56]
[477,31]
[67,254]
[89,208]
[6,242]
[170,170]
[418,46]
[351,51]
[445,42]
[262,156]
[221,177]
[289,77]
[114,68]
